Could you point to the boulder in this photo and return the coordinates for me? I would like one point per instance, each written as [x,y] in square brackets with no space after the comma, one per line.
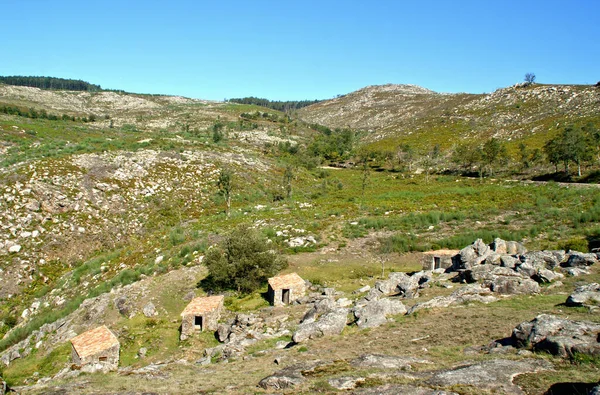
[495,375]
[223,332]
[345,383]
[328,324]
[289,376]
[509,261]
[543,259]
[576,271]
[579,259]
[281,380]
[472,255]
[468,293]
[122,306]
[545,276]
[585,295]
[375,313]
[512,285]
[501,279]
[149,310]
[558,336]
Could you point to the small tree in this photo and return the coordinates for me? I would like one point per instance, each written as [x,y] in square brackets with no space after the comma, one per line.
[288,175]
[242,262]
[529,78]
[493,151]
[224,183]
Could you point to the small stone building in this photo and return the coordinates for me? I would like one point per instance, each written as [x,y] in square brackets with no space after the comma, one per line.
[96,349]
[200,314]
[286,289]
[439,259]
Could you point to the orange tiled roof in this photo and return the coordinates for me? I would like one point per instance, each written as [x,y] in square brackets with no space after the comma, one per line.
[286,281]
[203,305]
[94,341]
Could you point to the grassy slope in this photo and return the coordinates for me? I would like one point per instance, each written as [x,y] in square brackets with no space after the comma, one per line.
[393,213]
[527,114]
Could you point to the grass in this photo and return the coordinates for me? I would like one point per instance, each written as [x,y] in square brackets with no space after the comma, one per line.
[44,364]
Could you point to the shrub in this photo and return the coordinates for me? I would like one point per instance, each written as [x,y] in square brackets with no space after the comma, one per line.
[242,262]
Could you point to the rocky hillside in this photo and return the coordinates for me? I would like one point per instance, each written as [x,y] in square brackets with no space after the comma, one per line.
[406,113]
[106,218]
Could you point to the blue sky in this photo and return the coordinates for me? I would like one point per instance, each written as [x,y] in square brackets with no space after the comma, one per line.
[301,50]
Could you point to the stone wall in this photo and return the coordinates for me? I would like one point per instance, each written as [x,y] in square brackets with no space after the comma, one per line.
[210,321]
[276,296]
[94,363]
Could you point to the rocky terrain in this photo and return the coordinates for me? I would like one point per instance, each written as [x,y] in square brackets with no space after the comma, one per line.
[405,113]
[107,222]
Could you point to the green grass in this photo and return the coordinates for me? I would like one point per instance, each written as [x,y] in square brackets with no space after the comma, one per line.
[45,364]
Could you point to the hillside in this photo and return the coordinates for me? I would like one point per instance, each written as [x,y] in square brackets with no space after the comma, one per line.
[107,214]
[394,114]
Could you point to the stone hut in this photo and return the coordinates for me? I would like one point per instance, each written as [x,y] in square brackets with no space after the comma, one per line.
[96,349]
[285,289]
[200,314]
[439,259]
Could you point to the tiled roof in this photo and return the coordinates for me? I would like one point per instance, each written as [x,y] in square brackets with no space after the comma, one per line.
[94,341]
[203,305]
[286,281]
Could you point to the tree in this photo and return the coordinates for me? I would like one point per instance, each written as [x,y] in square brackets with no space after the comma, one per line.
[529,78]
[242,262]
[571,145]
[288,175]
[492,152]
[224,183]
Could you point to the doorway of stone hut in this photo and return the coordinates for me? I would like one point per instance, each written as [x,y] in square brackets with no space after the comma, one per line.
[198,322]
[285,296]
[437,262]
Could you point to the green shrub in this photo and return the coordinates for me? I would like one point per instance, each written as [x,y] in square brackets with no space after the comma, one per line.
[242,262]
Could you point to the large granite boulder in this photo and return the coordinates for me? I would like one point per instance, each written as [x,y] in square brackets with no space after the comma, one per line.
[579,259]
[494,375]
[330,323]
[584,295]
[558,336]
[375,312]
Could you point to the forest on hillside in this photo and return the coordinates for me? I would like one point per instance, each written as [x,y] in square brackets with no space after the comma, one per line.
[50,83]
[283,106]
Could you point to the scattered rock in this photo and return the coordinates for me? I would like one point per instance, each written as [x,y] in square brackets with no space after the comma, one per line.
[366,288]
[149,310]
[122,306]
[493,375]
[585,295]
[345,383]
[328,324]
[375,312]
[142,352]
[14,248]
[578,259]
[223,332]
[289,376]
[558,336]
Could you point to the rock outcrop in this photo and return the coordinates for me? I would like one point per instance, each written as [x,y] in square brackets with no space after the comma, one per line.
[494,375]
[558,336]
[585,295]
[329,323]
[375,312]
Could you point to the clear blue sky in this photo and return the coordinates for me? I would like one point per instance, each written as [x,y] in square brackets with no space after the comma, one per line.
[288,50]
